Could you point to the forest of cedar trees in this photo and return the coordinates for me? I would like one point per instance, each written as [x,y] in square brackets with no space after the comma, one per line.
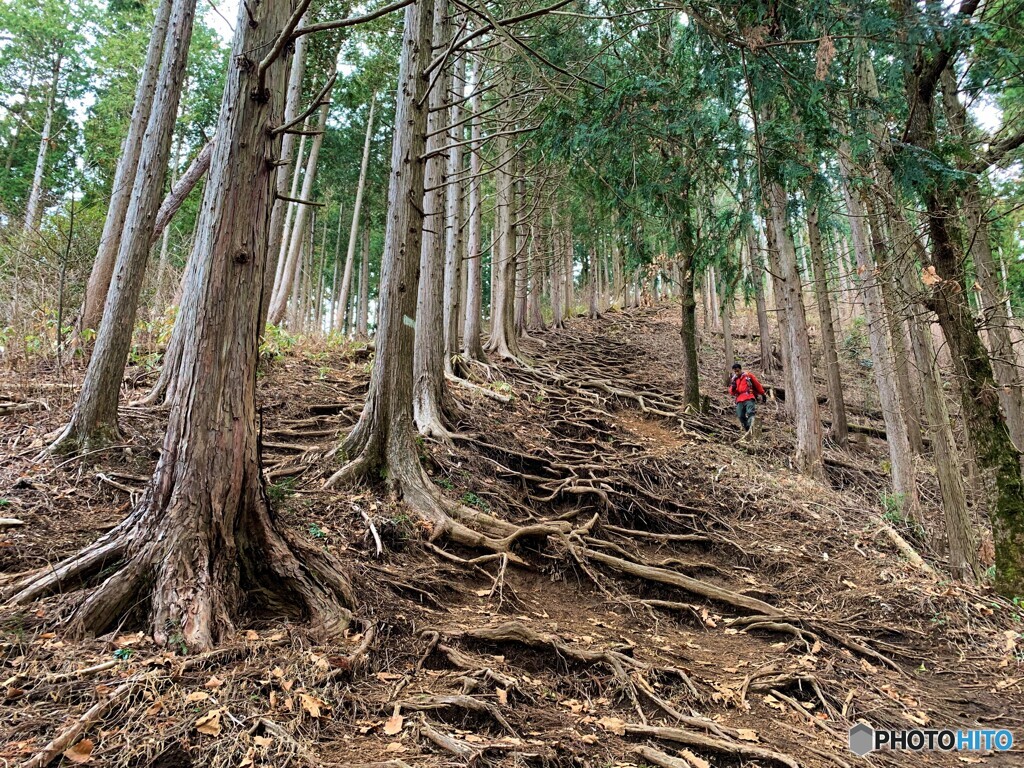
[368,392]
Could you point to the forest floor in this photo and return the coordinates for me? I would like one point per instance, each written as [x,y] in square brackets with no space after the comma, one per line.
[710,605]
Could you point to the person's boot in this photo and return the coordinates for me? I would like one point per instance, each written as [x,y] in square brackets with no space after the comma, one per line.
[755,430]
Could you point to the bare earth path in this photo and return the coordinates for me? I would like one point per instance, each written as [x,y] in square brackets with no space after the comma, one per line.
[703,604]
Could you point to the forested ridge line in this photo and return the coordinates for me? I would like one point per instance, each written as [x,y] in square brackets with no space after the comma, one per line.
[338,334]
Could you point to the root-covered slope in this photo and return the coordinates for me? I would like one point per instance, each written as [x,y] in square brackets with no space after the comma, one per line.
[673,594]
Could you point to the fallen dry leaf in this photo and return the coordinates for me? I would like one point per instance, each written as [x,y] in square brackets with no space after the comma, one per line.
[195,696]
[155,708]
[209,723]
[502,696]
[314,706]
[614,724]
[213,683]
[746,734]
[81,753]
[262,741]
[396,746]
[394,724]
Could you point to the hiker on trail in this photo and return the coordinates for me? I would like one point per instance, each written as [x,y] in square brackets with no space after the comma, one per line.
[745,387]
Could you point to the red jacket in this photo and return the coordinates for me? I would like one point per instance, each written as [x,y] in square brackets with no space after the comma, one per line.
[745,386]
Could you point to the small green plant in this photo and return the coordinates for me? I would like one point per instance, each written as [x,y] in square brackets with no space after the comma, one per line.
[445,483]
[317,532]
[176,638]
[473,500]
[123,654]
[893,504]
[281,490]
[277,342]
[4,502]
[502,387]
[855,342]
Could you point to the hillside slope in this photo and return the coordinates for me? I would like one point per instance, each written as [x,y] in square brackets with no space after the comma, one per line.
[702,602]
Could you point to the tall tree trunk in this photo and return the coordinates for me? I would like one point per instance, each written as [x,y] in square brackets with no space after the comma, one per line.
[346,280]
[503,340]
[428,402]
[472,347]
[996,321]
[34,207]
[453,251]
[534,297]
[363,311]
[779,303]
[382,442]
[688,323]
[570,278]
[961,539]
[202,544]
[822,297]
[279,303]
[291,208]
[124,174]
[757,278]
[901,460]
[94,419]
[285,176]
[335,316]
[808,458]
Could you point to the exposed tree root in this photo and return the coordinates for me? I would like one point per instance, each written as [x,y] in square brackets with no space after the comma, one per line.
[694,586]
[468,703]
[195,584]
[695,739]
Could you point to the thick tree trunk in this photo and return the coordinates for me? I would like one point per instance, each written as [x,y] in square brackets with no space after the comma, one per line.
[202,545]
[472,347]
[904,476]
[383,437]
[808,458]
[94,419]
[428,352]
[124,174]
[822,297]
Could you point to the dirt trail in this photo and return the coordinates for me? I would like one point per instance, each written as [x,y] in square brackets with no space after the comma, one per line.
[707,600]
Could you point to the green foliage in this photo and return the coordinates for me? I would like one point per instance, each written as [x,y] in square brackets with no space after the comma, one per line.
[473,500]
[281,490]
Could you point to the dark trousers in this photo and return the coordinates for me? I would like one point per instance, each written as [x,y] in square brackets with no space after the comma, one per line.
[745,412]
